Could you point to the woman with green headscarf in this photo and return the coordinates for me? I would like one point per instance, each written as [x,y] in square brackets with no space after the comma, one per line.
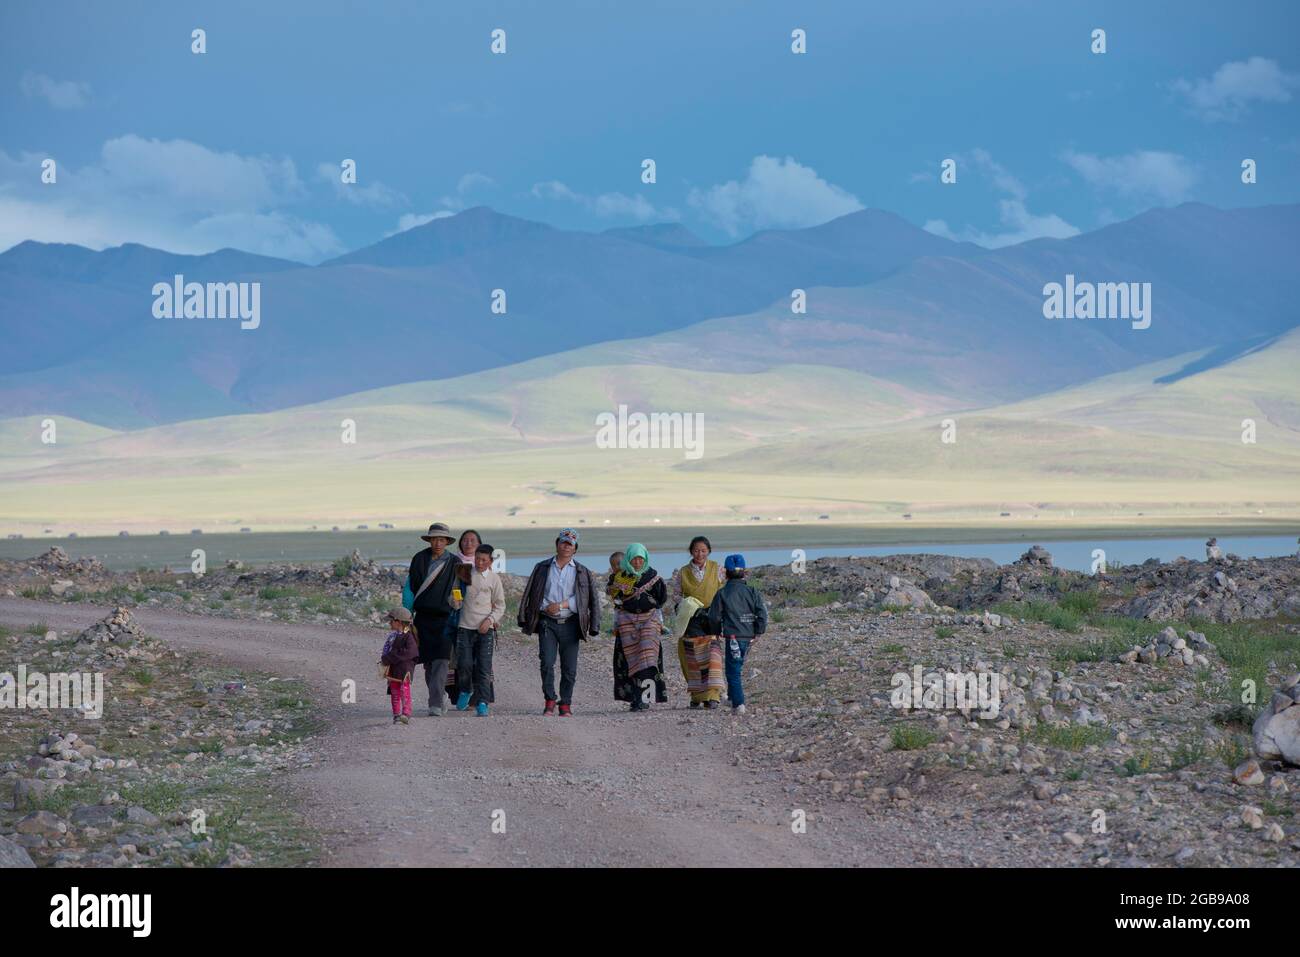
[639,594]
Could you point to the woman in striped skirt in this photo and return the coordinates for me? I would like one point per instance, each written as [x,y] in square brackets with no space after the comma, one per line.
[699,653]
[638,623]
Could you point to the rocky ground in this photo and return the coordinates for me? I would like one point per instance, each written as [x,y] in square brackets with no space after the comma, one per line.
[1146,717]
[1103,718]
[180,769]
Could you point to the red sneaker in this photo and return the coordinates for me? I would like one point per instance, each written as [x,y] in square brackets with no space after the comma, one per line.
[550,707]
[566,711]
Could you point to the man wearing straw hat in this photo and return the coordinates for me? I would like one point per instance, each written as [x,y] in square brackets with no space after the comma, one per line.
[431,579]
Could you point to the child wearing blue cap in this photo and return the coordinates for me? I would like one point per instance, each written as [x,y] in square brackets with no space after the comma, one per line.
[739,614]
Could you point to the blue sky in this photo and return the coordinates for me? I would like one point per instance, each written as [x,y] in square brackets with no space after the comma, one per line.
[240,146]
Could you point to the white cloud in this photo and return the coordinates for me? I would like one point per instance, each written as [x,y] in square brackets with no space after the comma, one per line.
[452,204]
[372,194]
[775,193]
[62,95]
[607,205]
[1228,93]
[411,220]
[1166,176]
[1018,223]
[472,181]
[171,194]
[466,185]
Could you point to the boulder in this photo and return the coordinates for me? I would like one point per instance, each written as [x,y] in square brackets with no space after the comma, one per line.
[42,823]
[1277,733]
[903,594]
[1037,555]
[11,855]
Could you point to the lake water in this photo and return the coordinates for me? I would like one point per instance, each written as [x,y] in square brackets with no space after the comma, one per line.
[667,547]
[1075,555]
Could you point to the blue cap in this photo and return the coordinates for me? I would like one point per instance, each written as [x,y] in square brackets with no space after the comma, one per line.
[734,561]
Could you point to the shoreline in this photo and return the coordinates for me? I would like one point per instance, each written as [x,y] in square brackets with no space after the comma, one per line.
[259,548]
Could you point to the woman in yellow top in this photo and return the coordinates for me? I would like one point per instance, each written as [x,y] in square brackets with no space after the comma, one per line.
[701,657]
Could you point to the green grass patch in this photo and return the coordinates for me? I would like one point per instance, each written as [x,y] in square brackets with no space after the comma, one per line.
[1189,751]
[273,592]
[1142,763]
[818,599]
[1081,603]
[156,796]
[1074,737]
[1047,612]
[1276,809]
[912,737]
[140,675]
[1234,751]
[1104,648]
[943,632]
[1235,716]
[1249,648]
[322,604]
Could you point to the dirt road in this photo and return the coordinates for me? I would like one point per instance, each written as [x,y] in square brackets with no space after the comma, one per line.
[601,788]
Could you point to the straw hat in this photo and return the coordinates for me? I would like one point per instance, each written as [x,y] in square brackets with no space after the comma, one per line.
[439,530]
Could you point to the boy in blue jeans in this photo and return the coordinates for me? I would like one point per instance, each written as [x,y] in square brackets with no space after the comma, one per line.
[739,615]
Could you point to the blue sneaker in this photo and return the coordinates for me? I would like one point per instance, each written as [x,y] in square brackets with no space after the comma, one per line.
[462,702]
[482,709]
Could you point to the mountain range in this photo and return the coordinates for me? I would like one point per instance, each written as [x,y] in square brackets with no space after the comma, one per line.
[934,318]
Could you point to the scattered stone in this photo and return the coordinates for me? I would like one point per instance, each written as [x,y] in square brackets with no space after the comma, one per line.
[41,823]
[1248,773]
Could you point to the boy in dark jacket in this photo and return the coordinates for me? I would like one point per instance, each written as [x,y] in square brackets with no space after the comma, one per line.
[400,656]
[739,614]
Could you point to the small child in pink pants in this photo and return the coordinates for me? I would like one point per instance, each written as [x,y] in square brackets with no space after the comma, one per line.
[401,655]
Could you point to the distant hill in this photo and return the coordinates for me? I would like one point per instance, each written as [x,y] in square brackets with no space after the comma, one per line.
[516,445]
[886,299]
[411,307]
[1147,424]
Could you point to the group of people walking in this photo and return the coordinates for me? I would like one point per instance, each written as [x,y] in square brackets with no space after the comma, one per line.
[453,603]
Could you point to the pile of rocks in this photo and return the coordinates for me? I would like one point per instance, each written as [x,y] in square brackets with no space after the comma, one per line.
[1188,650]
[53,570]
[1033,576]
[56,561]
[1036,556]
[117,636]
[117,627]
[864,583]
[1225,590]
[1277,729]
